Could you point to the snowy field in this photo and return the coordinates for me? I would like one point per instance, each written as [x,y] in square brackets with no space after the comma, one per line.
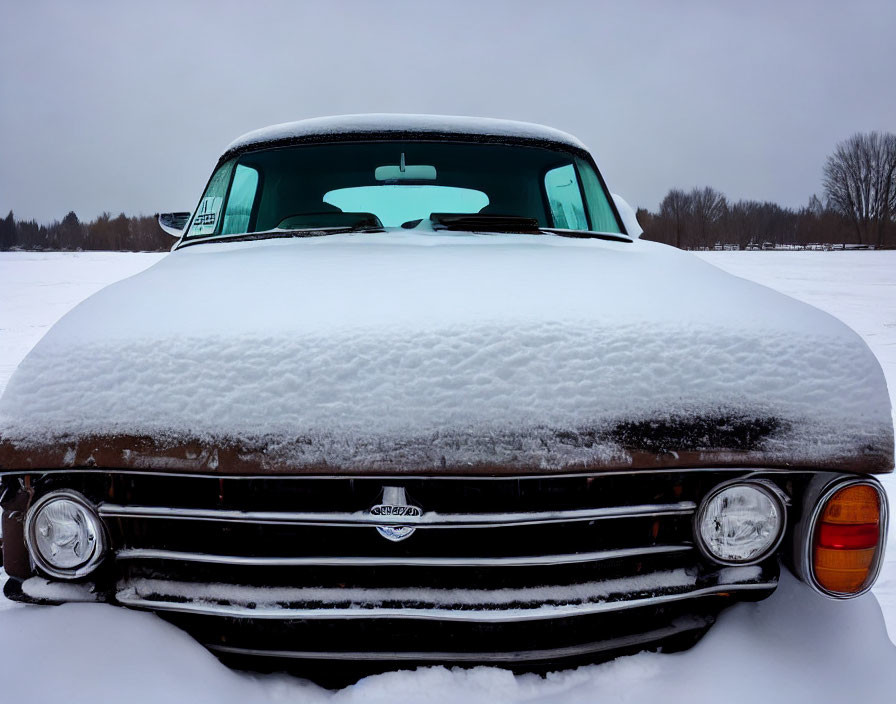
[795,646]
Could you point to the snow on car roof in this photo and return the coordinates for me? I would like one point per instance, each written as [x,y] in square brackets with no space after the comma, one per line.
[403,124]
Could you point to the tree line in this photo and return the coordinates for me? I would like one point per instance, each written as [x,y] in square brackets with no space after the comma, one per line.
[122,233]
[703,218]
[858,206]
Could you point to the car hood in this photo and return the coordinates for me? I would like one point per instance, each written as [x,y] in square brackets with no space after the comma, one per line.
[436,352]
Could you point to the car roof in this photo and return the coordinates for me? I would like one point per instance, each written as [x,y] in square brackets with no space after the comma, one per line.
[414,126]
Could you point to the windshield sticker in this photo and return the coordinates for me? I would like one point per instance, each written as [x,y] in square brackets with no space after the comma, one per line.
[206,216]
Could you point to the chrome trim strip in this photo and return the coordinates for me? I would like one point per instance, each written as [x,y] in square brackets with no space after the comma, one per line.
[427,520]
[675,628]
[433,614]
[406,476]
[397,561]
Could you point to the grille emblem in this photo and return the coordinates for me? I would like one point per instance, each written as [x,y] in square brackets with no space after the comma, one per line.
[395,503]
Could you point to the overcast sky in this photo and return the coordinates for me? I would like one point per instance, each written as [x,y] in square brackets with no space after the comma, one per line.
[126,106]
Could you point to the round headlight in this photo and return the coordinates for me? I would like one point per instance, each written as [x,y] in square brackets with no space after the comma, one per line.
[739,524]
[64,535]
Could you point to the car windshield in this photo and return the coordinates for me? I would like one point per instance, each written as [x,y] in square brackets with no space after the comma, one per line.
[371,185]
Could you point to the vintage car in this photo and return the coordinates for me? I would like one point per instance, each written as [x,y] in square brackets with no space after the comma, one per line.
[411,389]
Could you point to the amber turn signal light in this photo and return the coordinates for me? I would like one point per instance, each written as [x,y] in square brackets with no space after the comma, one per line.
[847,540]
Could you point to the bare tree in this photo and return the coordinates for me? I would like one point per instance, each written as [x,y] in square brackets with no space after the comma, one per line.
[675,210]
[710,206]
[860,183]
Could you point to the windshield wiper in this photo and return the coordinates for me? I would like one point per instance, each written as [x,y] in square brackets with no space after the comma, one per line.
[283,234]
[479,222]
[587,234]
[511,224]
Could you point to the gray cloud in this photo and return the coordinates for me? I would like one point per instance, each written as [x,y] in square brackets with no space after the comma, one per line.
[113,106]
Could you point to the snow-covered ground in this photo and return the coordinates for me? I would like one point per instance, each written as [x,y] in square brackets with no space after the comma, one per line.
[795,646]
[37,289]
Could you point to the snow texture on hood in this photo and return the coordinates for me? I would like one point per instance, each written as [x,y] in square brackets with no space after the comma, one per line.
[428,350]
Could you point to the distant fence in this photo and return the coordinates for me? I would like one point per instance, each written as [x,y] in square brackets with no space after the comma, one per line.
[771,246]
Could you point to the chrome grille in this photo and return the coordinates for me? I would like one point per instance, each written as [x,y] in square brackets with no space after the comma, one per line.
[493,551]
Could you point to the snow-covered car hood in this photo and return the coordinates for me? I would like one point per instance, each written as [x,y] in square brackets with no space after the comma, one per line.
[425,352]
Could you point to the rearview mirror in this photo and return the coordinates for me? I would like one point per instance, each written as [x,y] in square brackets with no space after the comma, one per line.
[173,223]
[629,218]
[405,172]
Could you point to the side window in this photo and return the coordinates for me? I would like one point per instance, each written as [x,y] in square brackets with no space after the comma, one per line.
[565,198]
[602,217]
[205,220]
[240,201]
